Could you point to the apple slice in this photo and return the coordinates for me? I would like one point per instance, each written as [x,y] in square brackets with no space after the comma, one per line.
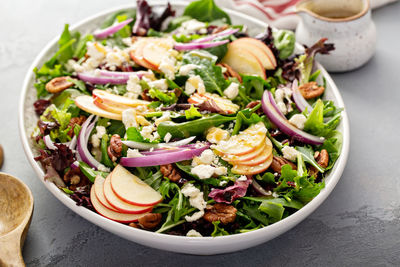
[154,51]
[257,52]
[246,157]
[137,53]
[132,189]
[120,205]
[242,61]
[110,214]
[98,189]
[263,47]
[117,100]
[85,102]
[252,170]
[113,109]
[245,142]
[260,159]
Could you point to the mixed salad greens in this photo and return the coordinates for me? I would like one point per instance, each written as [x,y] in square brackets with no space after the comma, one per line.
[185,125]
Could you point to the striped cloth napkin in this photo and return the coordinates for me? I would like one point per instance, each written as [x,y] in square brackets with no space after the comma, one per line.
[278,13]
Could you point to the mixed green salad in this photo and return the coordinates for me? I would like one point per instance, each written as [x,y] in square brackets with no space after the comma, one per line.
[185,125]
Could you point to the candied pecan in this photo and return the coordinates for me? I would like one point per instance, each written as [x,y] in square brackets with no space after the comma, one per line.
[75,178]
[74,121]
[220,212]
[322,158]
[278,162]
[311,90]
[135,225]
[114,150]
[58,84]
[252,104]
[145,95]
[220,28]
[170,172]
[150,220]
[230,72]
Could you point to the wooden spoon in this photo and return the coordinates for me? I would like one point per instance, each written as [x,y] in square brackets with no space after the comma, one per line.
[16,208]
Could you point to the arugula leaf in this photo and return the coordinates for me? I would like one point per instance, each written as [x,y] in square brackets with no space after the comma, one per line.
[105,159]
[154,180]
[315,121]
[133,134]
[308,156]
[206,11]
[274,210]
[80,49]
[253,211]
[294,204]
[254,86]
[166,98]
[65,37]
[268,178]
[89,172]
[333,144]
[284,41]
[246,117]
[192,113]
[218,231]
[306,189]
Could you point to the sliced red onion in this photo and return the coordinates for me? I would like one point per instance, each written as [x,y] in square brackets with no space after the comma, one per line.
[72,144]
[90,78]
[273,103]
[192,46]
[211,37]
[147,146]
[49,143]
[259,189]
[103,33]
[165,158]
[75,165]
[285,126]
[298,98]
[122,74]
[82,143]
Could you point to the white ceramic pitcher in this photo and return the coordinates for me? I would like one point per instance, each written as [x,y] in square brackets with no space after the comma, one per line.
[346,23]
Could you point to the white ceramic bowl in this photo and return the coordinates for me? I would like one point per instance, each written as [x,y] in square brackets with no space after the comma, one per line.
[191,245]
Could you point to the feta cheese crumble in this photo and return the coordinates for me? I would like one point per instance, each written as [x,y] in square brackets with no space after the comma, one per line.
[194,83]
[232,90]
[133,87]
[289,153]
[129,118]
[167,137]
[298,120]
[203,171]
[193,233]
[196,200]
[161,84]
[96,138]
[133,153]
[186,69]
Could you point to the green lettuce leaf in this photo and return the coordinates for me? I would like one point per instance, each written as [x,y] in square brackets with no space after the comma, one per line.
[284,41]
[315,121]
[206,11]
[192,113]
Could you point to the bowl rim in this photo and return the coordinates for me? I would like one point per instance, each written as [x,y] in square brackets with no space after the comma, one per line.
[141,236]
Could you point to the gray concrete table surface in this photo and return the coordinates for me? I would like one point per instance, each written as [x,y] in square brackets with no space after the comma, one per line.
[358,225]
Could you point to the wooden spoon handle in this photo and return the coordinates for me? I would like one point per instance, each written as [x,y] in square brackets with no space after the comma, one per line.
[10,250]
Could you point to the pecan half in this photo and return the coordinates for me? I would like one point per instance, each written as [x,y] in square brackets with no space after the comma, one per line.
[322,158]
[230,72]
[278,162]
[220,212]
[150,220]
[311,90]
[170,172]
[58,84]
[114,150]
[74,121]
[75,178]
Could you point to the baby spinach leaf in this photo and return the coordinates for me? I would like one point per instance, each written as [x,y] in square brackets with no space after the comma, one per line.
[206,10]
[254,86]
